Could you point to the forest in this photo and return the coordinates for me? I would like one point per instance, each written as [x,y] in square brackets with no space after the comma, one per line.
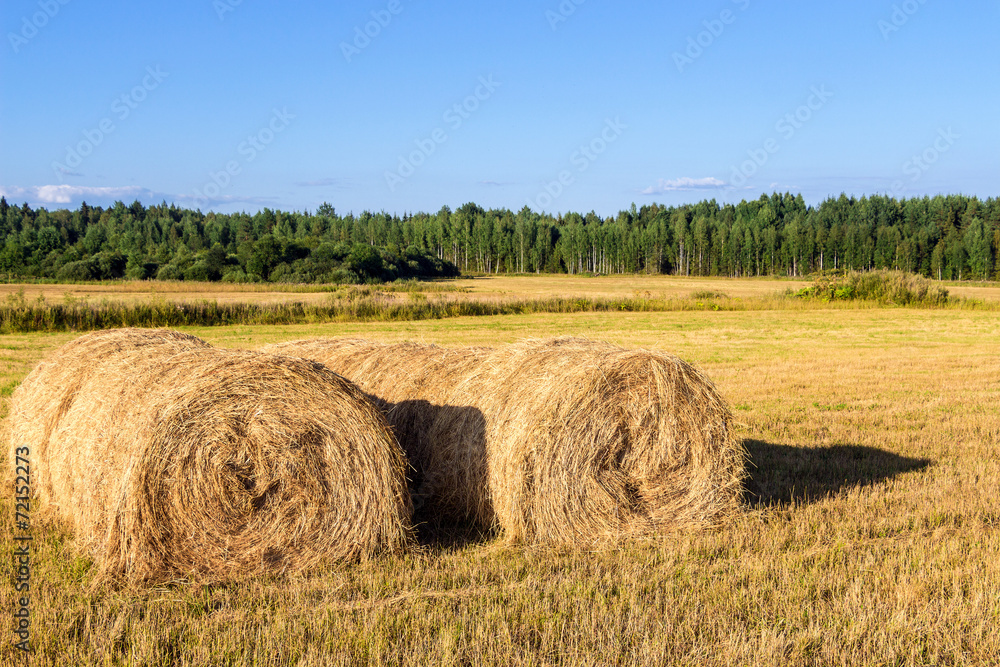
[950,237]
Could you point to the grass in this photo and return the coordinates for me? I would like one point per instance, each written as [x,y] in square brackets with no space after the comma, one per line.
[477,287]
[869,535]
[413,301]
[894,288]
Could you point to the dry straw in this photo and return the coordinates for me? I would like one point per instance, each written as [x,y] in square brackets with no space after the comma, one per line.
[559,441]
[171,458]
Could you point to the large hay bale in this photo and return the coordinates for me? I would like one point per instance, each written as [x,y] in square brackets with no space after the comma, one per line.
[561,441]
[52,387]
[171,458]
[412,397]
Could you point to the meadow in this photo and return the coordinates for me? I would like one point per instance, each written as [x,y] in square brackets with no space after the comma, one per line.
[471,287]
[869,535]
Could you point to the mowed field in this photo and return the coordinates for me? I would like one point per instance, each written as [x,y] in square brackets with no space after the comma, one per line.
[479,287]
[870,533]
[488,288]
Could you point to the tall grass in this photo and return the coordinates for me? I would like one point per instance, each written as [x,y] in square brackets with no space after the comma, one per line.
[18,315]
[896,288]
[23,317]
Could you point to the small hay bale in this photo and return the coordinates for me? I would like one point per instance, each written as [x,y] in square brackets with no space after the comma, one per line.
[170,458]
[560,441]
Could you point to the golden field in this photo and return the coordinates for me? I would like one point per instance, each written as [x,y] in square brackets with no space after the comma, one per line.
[476,287]
[870,534]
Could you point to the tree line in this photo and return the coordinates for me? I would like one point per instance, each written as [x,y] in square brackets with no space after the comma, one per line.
[951,237]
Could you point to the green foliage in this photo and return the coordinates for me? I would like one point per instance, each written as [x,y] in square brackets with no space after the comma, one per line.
[236,276]
[266,254]
[944,237]
[202,271]
[79,271]
[883,287]
[108,265]
[138,269]
[366,262]
[102,266]
[169,272]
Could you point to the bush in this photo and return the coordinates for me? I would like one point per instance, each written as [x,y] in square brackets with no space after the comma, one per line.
[201,271]
[885,287]
[342,276]
[327,255]
[108,265]
[169,272]
[236,276]
[280,273]
[77,271]
[141,271]
[366,261]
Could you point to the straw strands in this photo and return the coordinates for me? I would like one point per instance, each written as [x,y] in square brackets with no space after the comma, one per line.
[170,458]
[560,441]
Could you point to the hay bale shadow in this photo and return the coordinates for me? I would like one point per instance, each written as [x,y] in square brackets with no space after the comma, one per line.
[781,474]
[449,534]
[438,522]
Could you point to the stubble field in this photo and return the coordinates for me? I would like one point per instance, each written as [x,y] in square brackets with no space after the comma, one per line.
[870,532]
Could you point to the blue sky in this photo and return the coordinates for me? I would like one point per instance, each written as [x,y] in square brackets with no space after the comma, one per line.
[579,105]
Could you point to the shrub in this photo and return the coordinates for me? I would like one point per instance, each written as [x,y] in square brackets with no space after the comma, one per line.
[885,287]
[236,276]
[77,271]
[201,272]
[169,272]
[342,276]
[108,265]
[141,271]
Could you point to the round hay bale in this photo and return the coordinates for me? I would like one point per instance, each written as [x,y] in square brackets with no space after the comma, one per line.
[412,397]
[52,386]
[561,441]
[175,459]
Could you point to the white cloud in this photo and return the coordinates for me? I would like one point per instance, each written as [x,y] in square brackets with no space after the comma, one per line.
[67,194]
[13,192]
[208,203]
[683,184]
[72,195]
[324,182]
